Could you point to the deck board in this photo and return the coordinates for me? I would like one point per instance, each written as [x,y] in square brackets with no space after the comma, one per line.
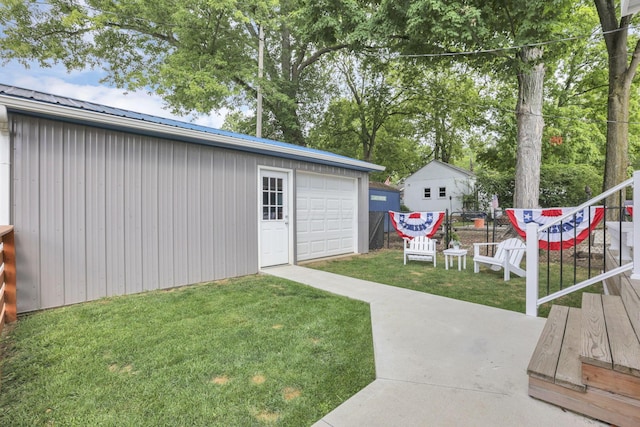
[612,381]
[569,371]
[594,342]
[625,348]
[599,404]
[631,298]
[544,361]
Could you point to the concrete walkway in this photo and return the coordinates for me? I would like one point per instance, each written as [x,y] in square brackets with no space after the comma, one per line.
[439,361]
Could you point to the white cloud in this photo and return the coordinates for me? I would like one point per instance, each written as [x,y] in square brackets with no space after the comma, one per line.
[79,87]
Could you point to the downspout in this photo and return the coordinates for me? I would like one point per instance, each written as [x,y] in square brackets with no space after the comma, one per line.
[5,168]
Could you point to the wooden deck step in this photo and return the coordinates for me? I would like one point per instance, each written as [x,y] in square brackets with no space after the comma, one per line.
[600,344]
[569,372]
[555,358]
[624,344]
[608,338]
[631,298]
[595,348]
[599,404]
[611,381]
[623,376]
[544,361]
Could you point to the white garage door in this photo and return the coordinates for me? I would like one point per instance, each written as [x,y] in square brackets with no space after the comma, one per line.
[325,215]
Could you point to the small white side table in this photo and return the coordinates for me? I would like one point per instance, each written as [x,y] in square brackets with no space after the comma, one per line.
[459,253]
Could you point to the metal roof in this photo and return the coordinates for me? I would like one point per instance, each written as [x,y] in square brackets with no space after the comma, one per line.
[73,110]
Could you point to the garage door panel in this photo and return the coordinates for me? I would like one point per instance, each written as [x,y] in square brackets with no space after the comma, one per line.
[317,226]
[335,225]
[325,215]
[318,248]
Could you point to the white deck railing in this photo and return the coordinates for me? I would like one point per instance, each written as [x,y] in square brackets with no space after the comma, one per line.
[533,231]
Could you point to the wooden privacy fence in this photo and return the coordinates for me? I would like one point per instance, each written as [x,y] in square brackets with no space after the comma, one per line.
[8,312]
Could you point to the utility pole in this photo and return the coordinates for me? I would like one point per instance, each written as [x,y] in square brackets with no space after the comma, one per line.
[260,70]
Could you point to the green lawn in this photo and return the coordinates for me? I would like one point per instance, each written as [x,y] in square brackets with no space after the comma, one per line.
[487,287]
[251,351]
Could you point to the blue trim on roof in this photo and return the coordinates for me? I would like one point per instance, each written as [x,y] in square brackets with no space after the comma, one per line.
[17,92]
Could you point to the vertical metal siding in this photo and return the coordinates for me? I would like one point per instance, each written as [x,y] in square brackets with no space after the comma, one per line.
[100,213]
[26,215]
[51,214]
[74,227]
[180,208]
[207,241]
[150,215]
[193,225]
[219,226]
[96,222]
[166,276]
[115,216]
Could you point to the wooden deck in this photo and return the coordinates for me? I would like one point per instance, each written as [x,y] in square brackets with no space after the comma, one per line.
[588,360]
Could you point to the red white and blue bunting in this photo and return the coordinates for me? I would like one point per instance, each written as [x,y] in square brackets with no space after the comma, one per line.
[563,235]
[414,224]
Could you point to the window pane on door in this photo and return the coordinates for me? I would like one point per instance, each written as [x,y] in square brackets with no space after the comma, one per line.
[272,199]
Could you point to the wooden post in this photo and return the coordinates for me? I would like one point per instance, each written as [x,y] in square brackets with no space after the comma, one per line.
[9,252]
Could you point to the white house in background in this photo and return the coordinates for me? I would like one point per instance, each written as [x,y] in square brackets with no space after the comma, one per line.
[438,186]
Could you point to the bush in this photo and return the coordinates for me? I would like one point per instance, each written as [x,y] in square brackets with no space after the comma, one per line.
[564,185]
[561,185]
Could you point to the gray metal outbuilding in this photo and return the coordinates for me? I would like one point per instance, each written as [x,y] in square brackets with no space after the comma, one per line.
[110,202]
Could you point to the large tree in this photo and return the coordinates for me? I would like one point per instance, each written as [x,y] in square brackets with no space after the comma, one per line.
[623,64]
[198,55]
[450,115]
[373,86]
[431,27]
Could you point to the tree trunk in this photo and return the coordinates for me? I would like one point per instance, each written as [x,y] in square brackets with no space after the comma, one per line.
[621,74]
[617,153]
[530,125]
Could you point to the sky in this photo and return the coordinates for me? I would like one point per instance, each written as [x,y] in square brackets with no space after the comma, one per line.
[85,85]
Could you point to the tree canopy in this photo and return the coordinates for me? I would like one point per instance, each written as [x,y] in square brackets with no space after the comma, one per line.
[198,55]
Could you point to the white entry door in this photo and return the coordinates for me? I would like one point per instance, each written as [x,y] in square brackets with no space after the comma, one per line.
[274,218]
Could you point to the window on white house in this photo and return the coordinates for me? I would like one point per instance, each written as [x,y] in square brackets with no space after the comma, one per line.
[427,193]
[443,192]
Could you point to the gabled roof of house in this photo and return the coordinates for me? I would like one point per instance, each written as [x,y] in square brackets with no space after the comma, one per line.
[447,165]
[45,105]
[457,168]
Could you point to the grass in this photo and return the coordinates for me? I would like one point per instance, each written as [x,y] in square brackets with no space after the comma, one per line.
[251,351]
[487,287]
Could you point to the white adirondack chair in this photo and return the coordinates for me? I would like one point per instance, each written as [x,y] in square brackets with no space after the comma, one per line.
[420,248]
[508,256]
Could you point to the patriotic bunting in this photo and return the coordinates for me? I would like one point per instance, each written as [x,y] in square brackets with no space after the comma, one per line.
[563,235]
[414,224]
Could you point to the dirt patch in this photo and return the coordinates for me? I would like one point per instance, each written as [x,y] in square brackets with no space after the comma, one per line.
[221,380]
[291,393]
[277,326]
[126,369]
[267,416]
[258,379]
